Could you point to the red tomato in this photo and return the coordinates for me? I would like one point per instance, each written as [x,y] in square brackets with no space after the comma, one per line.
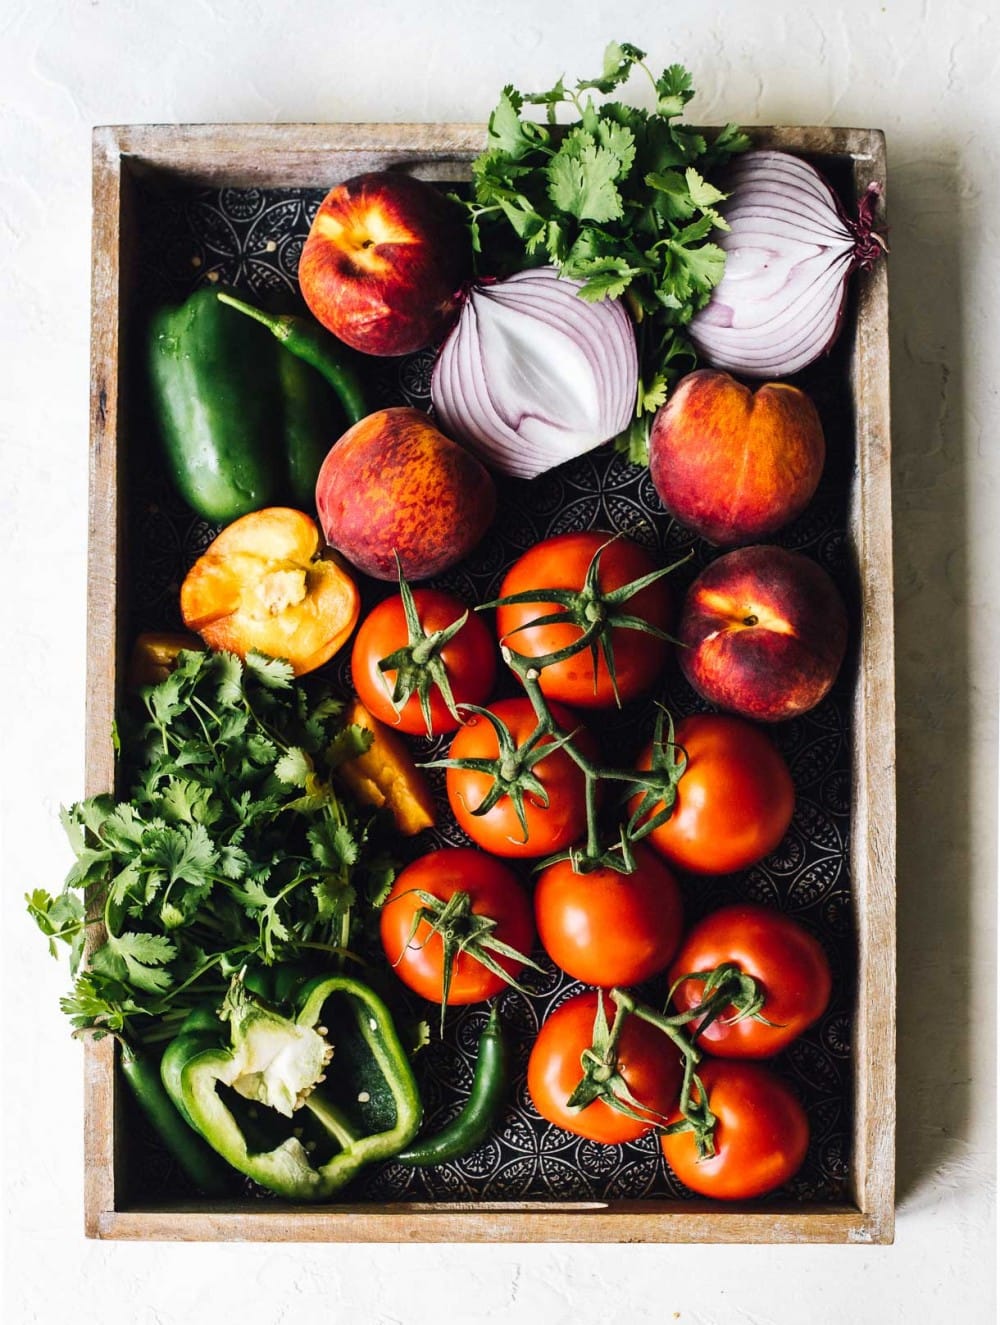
[761,1136]
[734,800]
[606,928]
[787,961]
[494,891]
[647,1060]
[551,828]
[562,563]
[469,659]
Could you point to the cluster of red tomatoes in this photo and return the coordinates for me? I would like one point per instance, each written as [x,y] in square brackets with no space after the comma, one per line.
[523,781]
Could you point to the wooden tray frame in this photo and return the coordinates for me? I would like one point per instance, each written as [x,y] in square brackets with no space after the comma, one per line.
[318,155]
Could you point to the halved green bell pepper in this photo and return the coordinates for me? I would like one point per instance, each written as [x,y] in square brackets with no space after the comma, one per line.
[245,421]
[339,1061]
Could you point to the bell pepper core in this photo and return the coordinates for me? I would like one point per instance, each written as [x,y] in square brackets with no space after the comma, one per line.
[282,1063]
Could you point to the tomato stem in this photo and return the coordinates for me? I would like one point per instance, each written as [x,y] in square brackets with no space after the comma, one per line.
[418,667]
[462,930]
[596,612]
[651,782]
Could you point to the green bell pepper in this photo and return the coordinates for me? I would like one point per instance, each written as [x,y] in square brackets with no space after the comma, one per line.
[245,420]
[362,1108]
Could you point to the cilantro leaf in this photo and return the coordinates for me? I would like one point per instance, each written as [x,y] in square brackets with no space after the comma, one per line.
[653,394]
[59,918]
[186,801]
[619,140]
[294,767]
[604,278]
[673,91]
[93,1003]
[137,957]
[232,841]
[619,57]
[352,741]
[508,131]
[333,897]
[333,845]
[274,673]
[582,182]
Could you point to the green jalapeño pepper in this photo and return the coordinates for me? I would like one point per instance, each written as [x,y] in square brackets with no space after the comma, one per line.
[336,1072]
[245,421]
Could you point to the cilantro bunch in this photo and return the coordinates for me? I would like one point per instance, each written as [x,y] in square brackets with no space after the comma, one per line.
[232,846]
[618,199]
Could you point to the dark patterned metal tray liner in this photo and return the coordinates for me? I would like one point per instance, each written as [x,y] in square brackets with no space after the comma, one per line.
[251,239]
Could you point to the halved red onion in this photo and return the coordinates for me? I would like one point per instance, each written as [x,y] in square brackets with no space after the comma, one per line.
[789,252]
[532,375]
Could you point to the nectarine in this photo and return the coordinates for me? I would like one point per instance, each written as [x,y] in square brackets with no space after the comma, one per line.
[765,632]
[395,484]
[384,262]
[732,464]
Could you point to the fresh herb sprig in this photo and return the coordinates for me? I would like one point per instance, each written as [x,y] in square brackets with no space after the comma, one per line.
[618,199]
[232,846]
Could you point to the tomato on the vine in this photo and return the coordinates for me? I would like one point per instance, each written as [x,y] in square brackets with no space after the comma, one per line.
[607,928]
[786,960]
[550,827]
[418,955]
[562,563]
[468,659]
[734,798]
[761,1134]
[646,1059]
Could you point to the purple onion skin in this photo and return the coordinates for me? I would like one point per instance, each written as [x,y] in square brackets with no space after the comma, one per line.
[762,332]
[518,423]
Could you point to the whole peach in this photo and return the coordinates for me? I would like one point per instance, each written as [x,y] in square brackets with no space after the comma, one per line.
[384,262]
[732,464]
[395,484]
[764,632]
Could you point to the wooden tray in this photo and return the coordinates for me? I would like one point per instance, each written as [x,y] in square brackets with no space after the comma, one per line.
[128,161]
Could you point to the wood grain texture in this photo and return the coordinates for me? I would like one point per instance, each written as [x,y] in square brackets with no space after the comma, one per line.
[102,604]
[634,1221]
[320,155]
[873,746]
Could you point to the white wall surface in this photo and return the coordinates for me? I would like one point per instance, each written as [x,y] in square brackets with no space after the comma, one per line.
[929,75]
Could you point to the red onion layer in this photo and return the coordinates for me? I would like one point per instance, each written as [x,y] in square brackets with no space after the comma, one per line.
[789,252]
[532,375]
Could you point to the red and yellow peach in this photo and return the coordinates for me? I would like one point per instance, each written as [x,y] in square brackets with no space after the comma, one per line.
[732,464]
[384,263]
[764,632]
[395,484]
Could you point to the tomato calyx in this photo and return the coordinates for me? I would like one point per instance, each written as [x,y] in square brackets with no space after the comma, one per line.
[696,1116]
[511,769]
[727,986]
[464,931]
[418,665]
[511,773]
[602,1078]
[659,784]
[594,611]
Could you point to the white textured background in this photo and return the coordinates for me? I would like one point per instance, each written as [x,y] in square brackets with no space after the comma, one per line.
[929,74]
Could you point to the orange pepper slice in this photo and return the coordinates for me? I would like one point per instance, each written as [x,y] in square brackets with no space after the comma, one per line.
[385,775]
[154,656]
[265,583]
